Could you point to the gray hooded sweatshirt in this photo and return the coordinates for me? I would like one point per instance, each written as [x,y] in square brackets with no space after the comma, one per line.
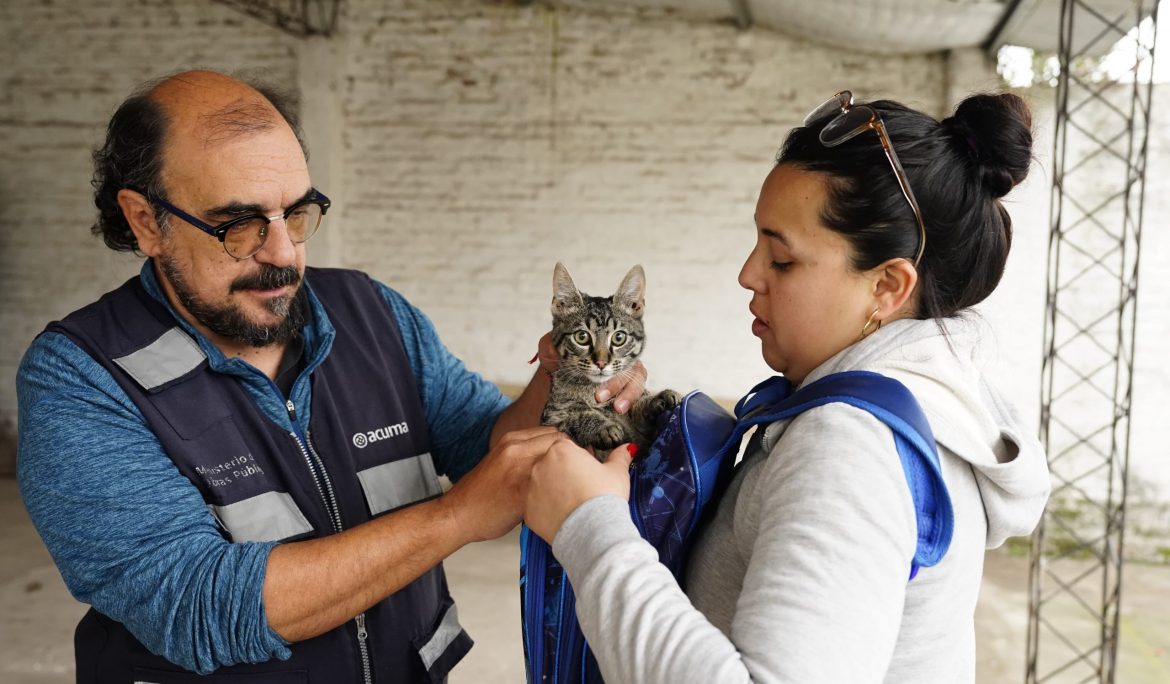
[801,575]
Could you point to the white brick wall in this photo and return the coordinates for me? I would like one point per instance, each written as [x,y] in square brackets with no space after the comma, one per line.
[66,65]
[473,164]
[470,145]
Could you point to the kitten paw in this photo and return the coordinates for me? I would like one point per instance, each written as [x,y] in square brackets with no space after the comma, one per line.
[609,438]
[664,401]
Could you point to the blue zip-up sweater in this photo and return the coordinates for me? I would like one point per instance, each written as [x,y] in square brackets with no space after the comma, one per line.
[133,537]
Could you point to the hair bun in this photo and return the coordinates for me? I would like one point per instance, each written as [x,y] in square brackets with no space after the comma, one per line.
[996,132]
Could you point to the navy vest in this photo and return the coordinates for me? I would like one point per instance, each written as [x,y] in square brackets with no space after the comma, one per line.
[366,453]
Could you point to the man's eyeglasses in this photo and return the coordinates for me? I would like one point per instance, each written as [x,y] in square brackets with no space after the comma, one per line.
[851,121]
[243,236]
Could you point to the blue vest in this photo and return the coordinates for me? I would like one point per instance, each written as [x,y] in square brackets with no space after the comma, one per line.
[366,453]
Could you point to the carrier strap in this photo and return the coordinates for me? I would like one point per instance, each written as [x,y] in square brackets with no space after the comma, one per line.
[890,402]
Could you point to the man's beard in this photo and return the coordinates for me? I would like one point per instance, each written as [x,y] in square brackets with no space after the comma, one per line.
[230,322]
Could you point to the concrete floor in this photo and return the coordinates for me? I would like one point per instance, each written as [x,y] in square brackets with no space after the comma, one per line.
[37,615]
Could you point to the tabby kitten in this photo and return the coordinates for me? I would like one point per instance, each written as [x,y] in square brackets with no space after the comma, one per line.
[596,339]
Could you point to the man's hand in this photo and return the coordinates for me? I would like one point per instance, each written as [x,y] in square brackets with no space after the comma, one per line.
[489,501]
[568,476]
[355,569]
[627,386]
[547,355]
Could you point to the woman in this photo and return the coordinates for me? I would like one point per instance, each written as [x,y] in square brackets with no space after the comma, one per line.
[801,573]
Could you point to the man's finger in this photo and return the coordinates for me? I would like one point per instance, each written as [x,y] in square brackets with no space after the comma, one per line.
[547,354]
[631,390]
[525,434]
[543,442]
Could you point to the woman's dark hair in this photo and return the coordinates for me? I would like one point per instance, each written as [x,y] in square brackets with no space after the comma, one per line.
[958,169]
[131,157]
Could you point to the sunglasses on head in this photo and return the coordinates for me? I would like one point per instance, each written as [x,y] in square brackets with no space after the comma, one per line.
[852,120]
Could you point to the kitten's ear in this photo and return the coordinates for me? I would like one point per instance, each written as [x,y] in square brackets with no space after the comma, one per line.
[566,296]
[631,294]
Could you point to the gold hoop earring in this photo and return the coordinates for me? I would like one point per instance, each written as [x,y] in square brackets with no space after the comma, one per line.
[865,331]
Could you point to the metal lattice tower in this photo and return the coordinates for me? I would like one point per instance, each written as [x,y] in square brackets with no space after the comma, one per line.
[1098,168]
[299,17]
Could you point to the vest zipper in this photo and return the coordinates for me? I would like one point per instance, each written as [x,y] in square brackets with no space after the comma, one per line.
[317,470]
[362,634]
[325,491]
[331,498]
[361,617]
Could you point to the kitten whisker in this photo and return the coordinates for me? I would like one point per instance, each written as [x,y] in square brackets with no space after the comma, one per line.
[625,373]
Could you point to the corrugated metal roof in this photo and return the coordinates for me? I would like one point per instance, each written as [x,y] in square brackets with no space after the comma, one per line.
[902,26]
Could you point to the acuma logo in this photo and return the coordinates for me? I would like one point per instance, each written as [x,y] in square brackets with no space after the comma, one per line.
[363,439]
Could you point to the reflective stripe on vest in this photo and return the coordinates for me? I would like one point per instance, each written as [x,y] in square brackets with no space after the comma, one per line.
[449,628]
[399,483]
[271,516]
[170,357]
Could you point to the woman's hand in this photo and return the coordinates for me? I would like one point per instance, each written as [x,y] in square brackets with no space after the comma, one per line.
[568,476]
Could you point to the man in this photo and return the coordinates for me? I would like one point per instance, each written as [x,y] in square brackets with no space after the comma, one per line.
[233,459]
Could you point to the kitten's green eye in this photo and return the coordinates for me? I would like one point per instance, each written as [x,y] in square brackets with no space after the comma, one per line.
[581,337]
[618,339]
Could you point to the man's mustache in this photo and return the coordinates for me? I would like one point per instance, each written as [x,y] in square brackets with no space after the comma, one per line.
[268,278]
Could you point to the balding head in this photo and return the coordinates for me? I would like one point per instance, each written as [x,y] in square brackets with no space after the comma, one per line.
[213,107]
[203,107]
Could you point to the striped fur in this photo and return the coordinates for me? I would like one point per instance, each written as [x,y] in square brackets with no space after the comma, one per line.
[598,338]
